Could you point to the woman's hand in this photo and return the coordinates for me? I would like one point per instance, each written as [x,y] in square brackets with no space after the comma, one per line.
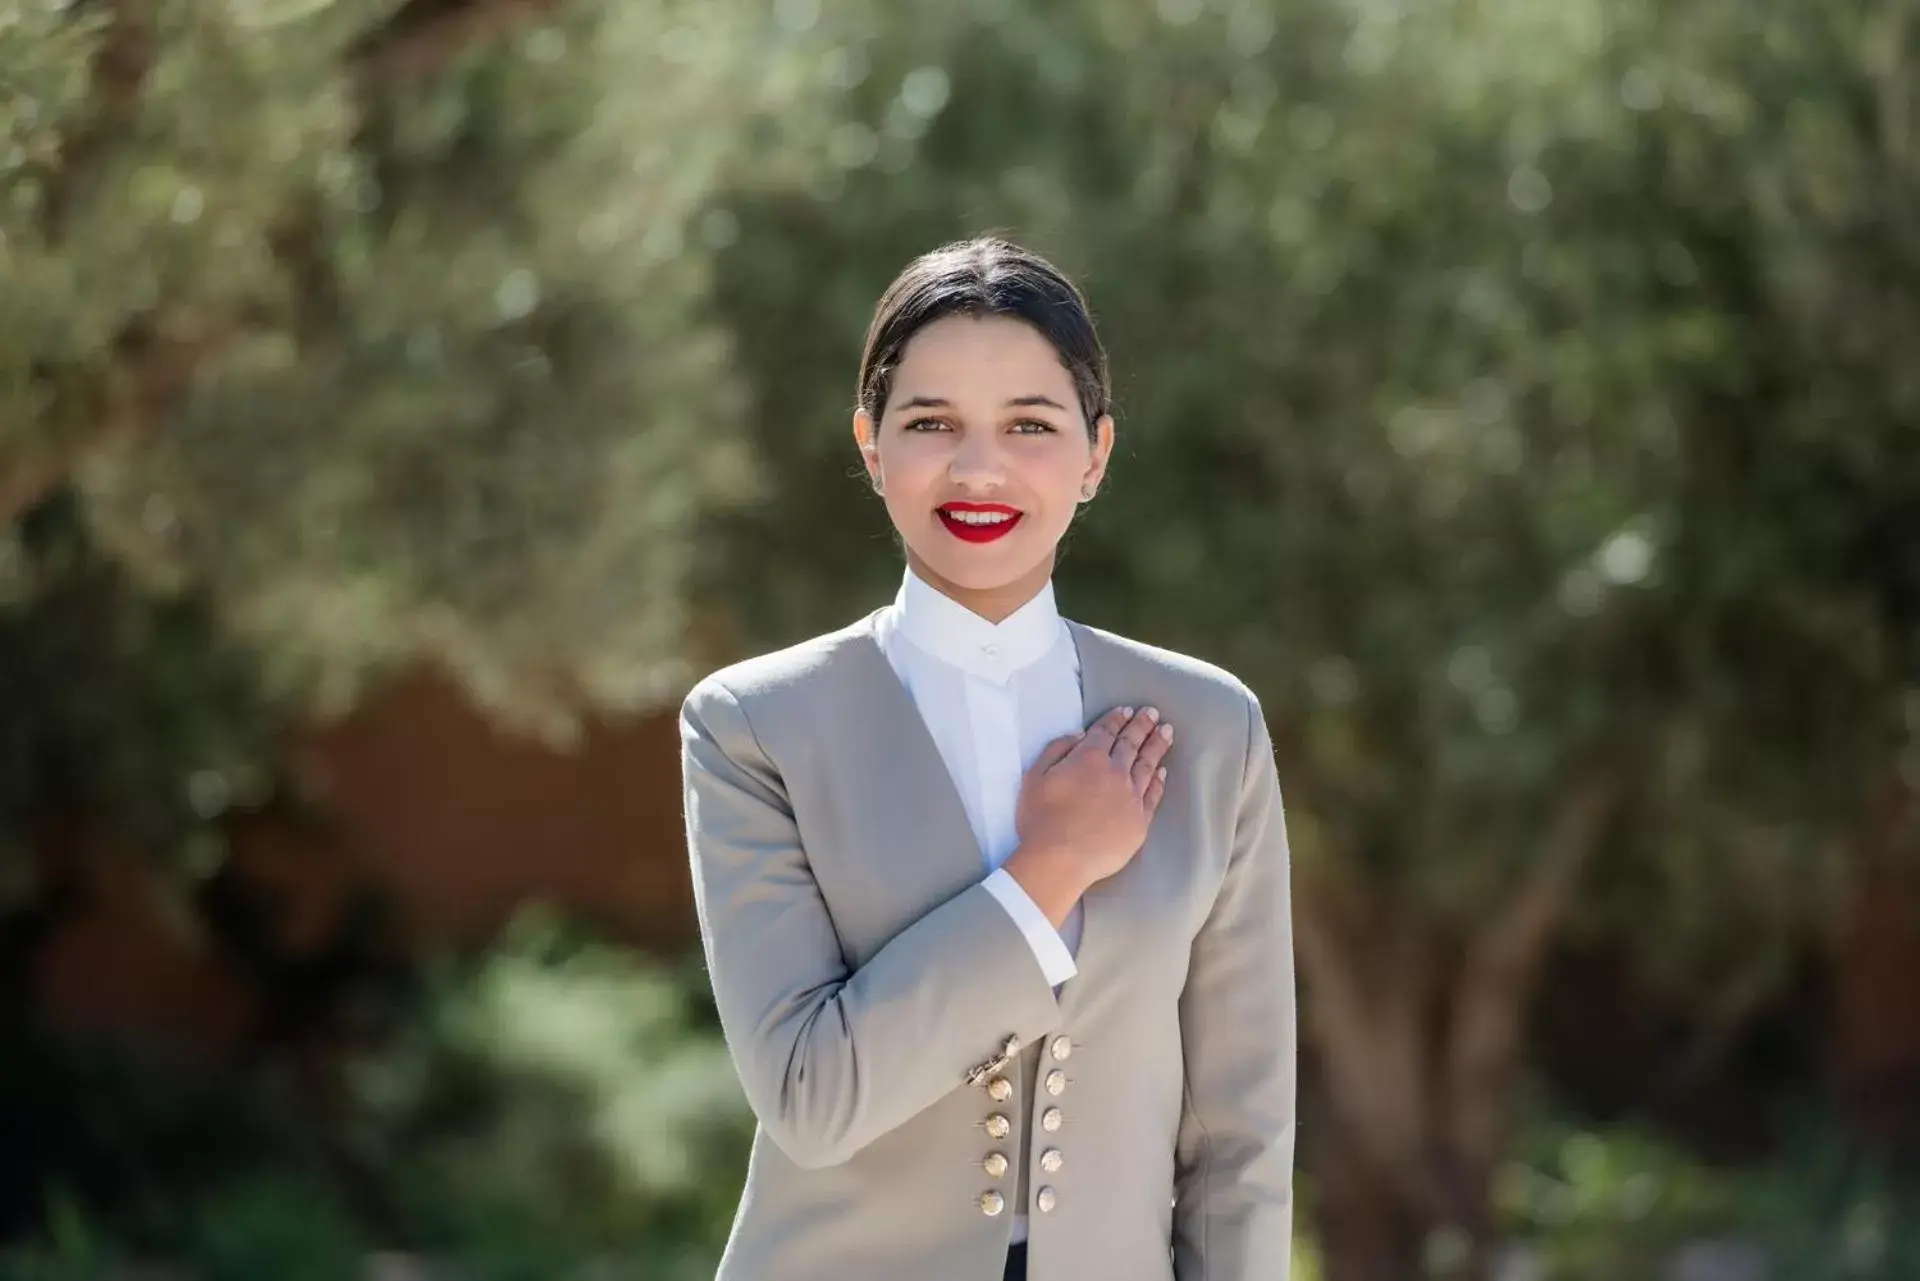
[1085,806]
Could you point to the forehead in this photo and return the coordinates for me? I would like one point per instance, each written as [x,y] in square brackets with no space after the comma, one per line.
[981,358]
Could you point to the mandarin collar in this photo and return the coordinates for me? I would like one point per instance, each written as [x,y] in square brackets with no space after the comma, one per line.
[949,631]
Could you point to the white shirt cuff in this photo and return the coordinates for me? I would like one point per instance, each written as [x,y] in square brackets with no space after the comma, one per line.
[1048,947]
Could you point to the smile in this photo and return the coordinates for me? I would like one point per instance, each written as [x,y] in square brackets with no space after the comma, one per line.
[979,522]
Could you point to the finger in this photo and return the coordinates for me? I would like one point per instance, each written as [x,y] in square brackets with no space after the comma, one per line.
[1127,746]
[1155,790]
[1152,752]
[1055,752]
[1103,731]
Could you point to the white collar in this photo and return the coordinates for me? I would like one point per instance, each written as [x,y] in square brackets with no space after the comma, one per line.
[949,631]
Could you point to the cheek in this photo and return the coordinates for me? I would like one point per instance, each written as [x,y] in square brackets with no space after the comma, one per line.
[912,465]
[1059,476]
[915,472]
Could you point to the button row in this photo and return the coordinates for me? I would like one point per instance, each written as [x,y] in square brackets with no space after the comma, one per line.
[999,1089]
[1051,1160]
[998,1127]
[992,1203]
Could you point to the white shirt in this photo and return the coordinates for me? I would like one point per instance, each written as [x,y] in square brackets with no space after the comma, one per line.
[992,695]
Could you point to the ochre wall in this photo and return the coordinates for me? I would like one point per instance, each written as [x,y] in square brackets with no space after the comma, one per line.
[453,822]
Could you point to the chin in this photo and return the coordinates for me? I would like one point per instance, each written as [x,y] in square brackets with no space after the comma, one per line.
[983,571]
[976,578]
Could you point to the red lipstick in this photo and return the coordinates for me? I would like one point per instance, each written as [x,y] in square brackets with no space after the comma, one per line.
[979,533]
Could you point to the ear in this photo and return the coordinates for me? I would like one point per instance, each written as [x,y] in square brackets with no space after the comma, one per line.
[1102,451]
[867,441]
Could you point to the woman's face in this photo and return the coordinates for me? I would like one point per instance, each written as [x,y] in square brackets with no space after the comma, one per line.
[982,453]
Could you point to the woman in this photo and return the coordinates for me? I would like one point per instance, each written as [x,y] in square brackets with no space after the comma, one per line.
[995,904]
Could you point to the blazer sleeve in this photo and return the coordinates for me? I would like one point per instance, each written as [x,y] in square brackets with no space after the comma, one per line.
[831,1057]
[1233,1185]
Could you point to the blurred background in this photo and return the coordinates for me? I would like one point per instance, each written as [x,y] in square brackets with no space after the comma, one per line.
[403,401]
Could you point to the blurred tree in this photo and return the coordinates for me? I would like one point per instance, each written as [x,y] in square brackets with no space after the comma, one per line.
[368,329]
[1517,395]
[379,334]
[1784,160]
[1451,341]
[335,334]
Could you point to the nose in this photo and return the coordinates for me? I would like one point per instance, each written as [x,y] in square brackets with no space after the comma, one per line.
[976,463]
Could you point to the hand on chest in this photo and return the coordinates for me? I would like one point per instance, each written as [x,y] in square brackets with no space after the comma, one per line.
[913,802]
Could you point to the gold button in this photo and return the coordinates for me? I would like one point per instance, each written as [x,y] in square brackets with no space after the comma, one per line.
[1000,1089]
[998,1126]
[996,1164]
[1062,1048]
[1056,1082]
[1050,1120]
[991,1203]
[1046,1200]
[1051,1160]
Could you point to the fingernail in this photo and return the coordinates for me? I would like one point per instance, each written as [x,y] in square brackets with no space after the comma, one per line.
[1126,711]
[1166,732]
[1153,713]
[1163,773]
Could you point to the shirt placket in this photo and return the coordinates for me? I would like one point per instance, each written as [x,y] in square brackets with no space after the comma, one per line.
[991,714]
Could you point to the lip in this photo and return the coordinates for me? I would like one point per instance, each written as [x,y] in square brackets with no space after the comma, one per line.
[979,533]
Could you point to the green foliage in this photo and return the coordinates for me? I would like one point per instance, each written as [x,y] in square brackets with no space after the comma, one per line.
[111,1141]
[1448,341]
[388,364]
[44,56]
[138,712]
[560,1096]
[277,1227]
[73,1250]
[1607,1203]
[558,1108]
[1828,1211]
[1603,1202]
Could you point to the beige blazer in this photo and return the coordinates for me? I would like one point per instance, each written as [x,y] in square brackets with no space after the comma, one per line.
[869,987]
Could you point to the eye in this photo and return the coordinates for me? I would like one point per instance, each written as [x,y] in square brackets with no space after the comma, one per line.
[1033,427]
[925,424]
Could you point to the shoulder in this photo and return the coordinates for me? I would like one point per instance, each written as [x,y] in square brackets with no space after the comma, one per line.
[1199,687]
[803,671]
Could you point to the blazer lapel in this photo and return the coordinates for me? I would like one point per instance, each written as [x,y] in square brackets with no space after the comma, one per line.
[1099,692]
[907,793]
[905,786]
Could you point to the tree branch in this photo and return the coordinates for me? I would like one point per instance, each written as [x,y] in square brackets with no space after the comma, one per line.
[1521,932]
[426,34]
[118,77]
[1370,1029]
[1495,980]
[27,481]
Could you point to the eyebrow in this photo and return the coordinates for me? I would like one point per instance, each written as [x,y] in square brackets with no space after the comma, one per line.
[1018,402]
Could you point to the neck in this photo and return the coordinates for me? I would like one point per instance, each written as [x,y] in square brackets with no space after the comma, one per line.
[995,604]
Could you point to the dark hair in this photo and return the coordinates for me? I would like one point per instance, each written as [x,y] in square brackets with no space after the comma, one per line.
[986,276]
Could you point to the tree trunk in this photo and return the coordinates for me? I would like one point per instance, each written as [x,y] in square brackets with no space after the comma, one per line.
[1418,1031]
[1366,1228]
[1402,1179]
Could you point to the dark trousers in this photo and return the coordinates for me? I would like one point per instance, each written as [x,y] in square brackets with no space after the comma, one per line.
[1016,1262]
